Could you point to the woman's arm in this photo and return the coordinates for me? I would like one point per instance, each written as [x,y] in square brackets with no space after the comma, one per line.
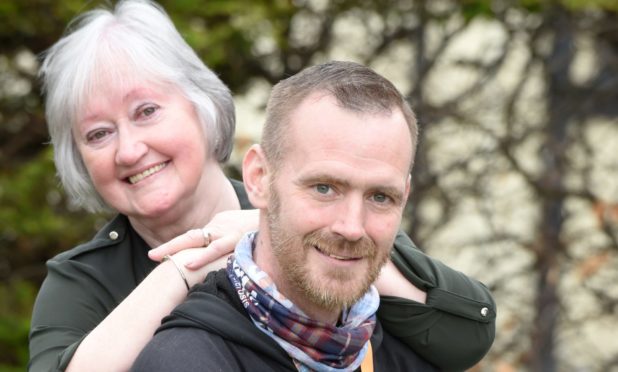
[391,282]
[63,321]
[445,316]
[124,334]
[114,344]
[73,328]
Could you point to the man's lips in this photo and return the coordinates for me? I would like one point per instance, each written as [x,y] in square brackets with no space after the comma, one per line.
[148,172]
[337,257]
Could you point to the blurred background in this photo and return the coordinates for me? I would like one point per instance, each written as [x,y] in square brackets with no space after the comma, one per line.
[516,178]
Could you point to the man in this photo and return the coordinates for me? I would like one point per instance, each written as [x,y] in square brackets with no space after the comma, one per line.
[331,179]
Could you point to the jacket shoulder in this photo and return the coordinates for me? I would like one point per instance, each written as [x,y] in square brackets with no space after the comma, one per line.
[112,234]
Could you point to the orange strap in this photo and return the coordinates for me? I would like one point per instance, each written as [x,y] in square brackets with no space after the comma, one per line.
[367,364]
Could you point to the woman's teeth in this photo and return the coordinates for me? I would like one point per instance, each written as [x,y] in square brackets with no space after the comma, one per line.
[150,171]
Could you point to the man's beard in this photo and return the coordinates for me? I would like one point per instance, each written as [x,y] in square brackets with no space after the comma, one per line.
[339,288]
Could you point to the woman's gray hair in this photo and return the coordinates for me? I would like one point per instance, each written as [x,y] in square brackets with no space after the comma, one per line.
[137,35]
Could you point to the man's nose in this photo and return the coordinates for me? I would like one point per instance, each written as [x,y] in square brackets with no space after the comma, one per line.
[350,220]
[131,147]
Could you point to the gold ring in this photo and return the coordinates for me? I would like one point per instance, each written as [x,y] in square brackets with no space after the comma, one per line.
[207,237]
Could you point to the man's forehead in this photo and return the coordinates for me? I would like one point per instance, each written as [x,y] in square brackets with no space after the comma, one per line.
[320,124]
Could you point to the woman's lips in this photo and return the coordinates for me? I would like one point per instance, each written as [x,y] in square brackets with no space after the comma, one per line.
[148,172]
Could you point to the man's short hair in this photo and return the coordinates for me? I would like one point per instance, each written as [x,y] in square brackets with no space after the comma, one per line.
[355,87]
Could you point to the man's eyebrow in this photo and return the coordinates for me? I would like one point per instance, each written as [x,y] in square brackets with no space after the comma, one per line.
[322,178]
[393,192]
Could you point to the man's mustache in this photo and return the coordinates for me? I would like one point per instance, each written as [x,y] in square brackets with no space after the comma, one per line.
[338,245]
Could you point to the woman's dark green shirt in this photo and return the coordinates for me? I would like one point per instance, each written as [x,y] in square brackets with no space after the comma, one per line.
[453,330]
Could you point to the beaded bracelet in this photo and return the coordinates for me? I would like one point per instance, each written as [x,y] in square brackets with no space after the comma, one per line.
[182,274]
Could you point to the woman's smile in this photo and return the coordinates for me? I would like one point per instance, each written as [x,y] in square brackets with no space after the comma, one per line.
[148,172]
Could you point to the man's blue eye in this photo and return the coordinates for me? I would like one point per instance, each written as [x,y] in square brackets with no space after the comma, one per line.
[322,188]
[380,198]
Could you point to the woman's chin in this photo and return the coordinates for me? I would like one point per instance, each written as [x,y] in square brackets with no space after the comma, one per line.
[152,210]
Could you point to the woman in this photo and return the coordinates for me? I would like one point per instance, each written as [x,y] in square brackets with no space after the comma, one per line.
[140,126]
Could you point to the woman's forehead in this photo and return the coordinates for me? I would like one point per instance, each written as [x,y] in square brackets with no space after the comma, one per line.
[118,86]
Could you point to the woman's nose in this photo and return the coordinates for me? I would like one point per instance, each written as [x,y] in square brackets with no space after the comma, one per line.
[131,148]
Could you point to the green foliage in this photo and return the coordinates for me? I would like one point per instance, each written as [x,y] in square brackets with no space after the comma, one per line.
[224,33]
[474,8]
[23,192]
[38,222]
[15,307]
[36,225]
[573,5]
[471,9]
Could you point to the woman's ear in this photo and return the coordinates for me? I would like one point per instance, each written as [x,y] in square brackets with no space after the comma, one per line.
[256,176]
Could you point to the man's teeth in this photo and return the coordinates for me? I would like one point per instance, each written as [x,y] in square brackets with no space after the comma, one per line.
[334,255]
[146,173]
[339,257]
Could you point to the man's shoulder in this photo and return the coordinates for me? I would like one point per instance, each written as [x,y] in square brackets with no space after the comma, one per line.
[191,349]
[211,328]
[214,307]
[392,355]
[211,305]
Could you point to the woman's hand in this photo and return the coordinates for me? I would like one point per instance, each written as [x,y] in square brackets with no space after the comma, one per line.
[217,239]
[193,277]
[391,282]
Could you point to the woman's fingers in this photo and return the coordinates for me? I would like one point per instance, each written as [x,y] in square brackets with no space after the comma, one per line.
[217,249]
[225,229]
[191,239]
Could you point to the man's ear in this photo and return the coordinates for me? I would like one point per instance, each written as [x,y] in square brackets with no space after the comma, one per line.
[407,192]
[256,176]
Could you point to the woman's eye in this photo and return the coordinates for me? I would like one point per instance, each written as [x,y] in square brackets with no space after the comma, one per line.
[146,111]
[322,188]
[96,135]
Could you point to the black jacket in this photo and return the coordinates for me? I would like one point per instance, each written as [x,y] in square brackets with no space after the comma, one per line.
[83,285]
[211,331]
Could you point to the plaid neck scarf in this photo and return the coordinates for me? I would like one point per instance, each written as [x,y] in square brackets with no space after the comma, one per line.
[312,345]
